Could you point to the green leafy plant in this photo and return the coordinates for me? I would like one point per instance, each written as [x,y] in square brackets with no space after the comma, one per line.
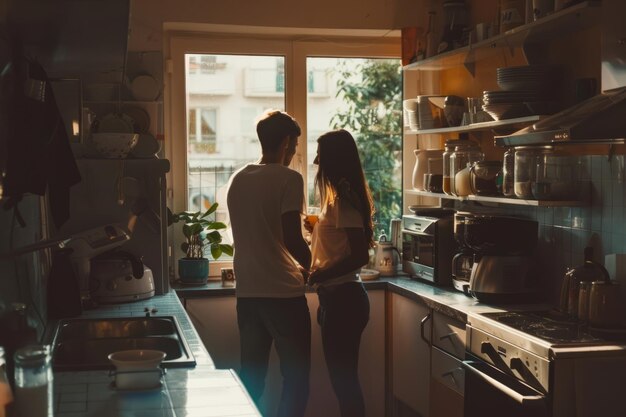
[372,92]
[200,231]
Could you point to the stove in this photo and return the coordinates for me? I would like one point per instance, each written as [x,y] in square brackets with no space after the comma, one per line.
[549,353]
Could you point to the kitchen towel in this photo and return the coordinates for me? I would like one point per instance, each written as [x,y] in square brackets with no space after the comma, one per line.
[38,154]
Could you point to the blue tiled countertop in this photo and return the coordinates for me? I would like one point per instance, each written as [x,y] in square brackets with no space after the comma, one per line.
[202,391]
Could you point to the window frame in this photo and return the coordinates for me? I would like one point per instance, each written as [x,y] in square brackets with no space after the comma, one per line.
[296,48]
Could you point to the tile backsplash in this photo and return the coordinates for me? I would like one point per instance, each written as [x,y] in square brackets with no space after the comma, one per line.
[564,232]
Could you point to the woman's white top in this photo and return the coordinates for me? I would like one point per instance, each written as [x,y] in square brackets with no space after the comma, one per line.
[329,241]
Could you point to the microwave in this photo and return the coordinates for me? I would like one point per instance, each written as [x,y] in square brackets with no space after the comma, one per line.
[428,246]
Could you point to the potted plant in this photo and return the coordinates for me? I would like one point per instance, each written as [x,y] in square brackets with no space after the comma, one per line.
[199,231]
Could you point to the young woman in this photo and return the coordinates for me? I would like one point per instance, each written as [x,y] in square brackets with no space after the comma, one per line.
[339,248]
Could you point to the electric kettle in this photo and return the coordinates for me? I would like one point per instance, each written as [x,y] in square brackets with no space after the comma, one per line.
[384,259]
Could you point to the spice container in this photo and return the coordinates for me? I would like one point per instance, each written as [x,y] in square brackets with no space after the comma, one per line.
[33,381]
[525,170]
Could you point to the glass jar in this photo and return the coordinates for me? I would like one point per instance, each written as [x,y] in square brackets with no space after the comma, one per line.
[525,168]
[484,177]
[461,161]
[449,147]
[34,381]
[6,397]
[508,169]
[557,177]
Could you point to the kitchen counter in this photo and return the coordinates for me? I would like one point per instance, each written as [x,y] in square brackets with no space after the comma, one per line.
[202,391]
[441,299]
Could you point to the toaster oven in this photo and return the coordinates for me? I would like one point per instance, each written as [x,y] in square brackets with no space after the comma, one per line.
[428,247]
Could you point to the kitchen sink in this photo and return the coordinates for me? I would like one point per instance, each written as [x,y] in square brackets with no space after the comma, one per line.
[84,344]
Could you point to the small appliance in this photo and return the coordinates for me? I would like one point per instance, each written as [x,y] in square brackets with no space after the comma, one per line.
[118,277]
[494,257]
[502,279]
[428,245]
[88,244]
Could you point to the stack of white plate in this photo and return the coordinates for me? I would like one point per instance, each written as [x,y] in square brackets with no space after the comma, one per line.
[533,78]
[527,90]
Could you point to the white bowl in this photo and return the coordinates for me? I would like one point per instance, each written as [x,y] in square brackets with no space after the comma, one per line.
[137,369]
[114,145]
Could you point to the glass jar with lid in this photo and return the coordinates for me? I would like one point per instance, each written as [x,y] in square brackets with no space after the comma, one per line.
[461,161]
[34,381]
[557,177]
[449,147]
[508,170]
[525,168]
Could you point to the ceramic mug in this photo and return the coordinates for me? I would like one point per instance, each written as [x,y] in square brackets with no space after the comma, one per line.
[228,277]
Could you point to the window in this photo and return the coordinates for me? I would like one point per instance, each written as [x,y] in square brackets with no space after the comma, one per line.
[308,79]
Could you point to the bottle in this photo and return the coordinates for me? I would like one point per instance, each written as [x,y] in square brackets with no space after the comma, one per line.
[34,381]
[431,36]
[15,332]
[6,396]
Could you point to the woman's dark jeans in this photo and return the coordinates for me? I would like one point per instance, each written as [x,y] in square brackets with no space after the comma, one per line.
[342,315]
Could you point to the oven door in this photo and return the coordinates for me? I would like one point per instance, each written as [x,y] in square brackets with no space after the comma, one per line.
[491,392]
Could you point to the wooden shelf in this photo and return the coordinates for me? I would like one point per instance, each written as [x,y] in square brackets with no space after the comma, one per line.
[559,24]
[476,127]
[502,200]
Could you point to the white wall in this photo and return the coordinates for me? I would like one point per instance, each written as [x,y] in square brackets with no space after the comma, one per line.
[148,16]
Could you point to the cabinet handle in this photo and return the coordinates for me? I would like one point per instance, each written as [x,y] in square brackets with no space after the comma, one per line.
[451,375]
[422,329]
[448,336]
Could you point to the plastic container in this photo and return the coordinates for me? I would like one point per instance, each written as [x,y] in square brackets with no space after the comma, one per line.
[34,381]
[525,170]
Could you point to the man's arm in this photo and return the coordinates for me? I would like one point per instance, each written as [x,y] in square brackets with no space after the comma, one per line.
[294,241]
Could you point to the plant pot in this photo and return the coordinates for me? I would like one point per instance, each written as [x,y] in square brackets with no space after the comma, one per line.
[193,271]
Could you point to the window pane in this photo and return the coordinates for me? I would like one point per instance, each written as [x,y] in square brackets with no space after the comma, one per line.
[363,96]
[225,94]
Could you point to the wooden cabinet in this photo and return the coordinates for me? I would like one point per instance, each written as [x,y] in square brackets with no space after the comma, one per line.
[410,331]
[447,383]
[215,319]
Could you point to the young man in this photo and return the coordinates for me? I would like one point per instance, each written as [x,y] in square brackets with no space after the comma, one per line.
[265,200]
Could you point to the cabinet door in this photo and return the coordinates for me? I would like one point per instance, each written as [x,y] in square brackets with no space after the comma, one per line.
[447,385]
[215,320]
[410,354]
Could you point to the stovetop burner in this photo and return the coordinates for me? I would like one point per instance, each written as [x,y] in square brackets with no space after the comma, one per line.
[550,326]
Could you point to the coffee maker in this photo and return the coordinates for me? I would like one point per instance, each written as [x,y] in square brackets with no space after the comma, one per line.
[495,257]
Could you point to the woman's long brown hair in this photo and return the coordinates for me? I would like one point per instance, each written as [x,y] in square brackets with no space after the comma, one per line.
[340,174]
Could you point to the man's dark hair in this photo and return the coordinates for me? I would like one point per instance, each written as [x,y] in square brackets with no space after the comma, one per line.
[272,128]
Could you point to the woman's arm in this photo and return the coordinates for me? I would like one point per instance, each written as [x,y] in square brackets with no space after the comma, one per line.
[359,256]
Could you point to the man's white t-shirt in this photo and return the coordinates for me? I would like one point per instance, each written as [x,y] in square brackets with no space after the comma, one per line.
[329,241]
[258,196]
